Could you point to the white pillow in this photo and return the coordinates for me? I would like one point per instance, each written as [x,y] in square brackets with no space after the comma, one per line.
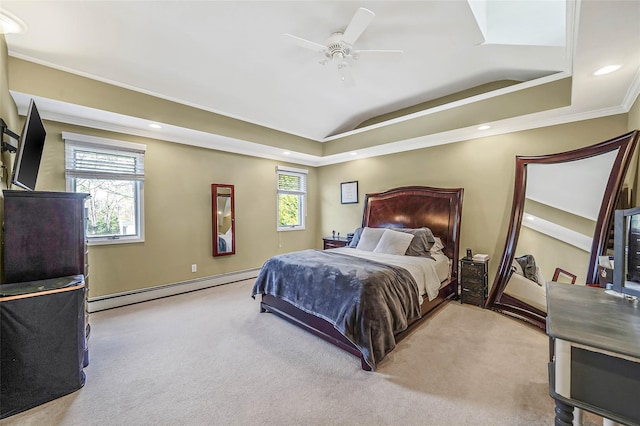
[393,242]
[369,238]
[437,246]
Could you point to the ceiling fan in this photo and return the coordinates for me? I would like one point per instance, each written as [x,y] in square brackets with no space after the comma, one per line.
[338,48]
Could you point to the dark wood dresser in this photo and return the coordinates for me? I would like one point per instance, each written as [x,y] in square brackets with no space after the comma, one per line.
[473,281]
[44,238]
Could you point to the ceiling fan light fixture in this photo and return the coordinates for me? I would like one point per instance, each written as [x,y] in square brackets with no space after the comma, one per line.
[338,47]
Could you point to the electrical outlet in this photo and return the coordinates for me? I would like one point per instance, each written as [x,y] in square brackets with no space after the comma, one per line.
[194,268]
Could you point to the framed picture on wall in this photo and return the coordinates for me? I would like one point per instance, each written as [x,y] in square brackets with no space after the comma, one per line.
[349,192]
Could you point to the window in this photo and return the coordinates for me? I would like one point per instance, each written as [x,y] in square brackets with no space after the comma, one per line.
[291,193]
[112,172]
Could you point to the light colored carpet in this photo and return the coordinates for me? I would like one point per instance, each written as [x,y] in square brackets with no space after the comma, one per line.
[209,357]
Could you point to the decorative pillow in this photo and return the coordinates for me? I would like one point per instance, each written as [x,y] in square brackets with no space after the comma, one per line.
[393,242]
[422,241]
[356,238]
[437,246]
[369,238]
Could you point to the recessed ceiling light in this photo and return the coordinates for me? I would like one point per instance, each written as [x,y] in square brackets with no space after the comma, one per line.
[484,127]
[10,23]
[608,69]
[286,153]
[353,153]
[155,126]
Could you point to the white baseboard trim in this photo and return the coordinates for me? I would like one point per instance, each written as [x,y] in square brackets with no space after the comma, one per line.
[116,300]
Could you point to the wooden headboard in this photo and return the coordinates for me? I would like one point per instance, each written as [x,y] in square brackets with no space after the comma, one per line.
[439,209]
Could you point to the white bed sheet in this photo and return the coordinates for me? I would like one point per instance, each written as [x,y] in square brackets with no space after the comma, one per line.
[428,273]
[528,291]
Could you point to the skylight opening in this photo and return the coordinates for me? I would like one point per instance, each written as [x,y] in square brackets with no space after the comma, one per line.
[533,23]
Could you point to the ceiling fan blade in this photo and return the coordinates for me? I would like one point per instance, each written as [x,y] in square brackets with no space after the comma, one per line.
[358,24]
[378,54]
[306,43]
[345,74]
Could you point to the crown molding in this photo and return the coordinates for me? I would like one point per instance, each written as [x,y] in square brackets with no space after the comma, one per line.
[77,115]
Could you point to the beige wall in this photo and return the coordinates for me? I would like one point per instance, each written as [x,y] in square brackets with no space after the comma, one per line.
[483,167]
[34,79]
[178,200]
[634,115]
[178,215]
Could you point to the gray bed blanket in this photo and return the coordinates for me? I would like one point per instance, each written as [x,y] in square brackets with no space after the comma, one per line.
[529,269]
[367,301]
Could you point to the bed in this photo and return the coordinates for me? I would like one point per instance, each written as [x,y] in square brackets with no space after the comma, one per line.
[407,208]
[526,285]
[225,242]
[525,290]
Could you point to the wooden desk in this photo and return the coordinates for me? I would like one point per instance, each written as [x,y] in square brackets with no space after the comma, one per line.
[594,342]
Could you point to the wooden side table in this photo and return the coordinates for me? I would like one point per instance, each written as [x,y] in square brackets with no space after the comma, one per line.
[334,242]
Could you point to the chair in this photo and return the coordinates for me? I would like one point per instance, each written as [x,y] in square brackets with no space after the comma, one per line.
[560,275]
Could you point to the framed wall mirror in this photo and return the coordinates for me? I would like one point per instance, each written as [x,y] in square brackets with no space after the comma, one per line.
[223,220]
[561,220]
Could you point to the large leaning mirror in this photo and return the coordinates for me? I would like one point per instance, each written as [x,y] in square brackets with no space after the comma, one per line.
[561,218]
[223,220]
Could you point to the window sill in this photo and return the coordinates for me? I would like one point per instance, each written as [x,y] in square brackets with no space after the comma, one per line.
[291,228]
[109,241]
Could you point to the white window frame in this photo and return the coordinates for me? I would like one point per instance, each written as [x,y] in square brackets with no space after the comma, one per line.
[73,141]
[302,173]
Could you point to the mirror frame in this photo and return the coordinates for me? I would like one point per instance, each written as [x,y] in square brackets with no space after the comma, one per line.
[214,220]
[501,302]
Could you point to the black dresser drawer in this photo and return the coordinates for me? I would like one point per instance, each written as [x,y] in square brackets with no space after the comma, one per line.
[474,270]
[475,285]
[474,297]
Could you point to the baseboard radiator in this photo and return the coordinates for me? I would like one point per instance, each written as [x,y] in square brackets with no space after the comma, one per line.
[101,303]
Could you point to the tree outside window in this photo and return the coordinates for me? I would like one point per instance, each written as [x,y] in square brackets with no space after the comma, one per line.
[291,189]
[111,209]
[112,173]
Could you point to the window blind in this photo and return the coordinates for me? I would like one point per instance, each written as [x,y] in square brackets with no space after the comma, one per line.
[91,160]
[291,181]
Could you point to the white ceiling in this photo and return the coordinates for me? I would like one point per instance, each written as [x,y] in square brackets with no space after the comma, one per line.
[230,57]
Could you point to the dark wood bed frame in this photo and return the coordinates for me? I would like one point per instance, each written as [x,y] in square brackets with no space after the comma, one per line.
[439,209]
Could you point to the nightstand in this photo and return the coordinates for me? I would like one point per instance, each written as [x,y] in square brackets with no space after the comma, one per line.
[473,281]
[334,242]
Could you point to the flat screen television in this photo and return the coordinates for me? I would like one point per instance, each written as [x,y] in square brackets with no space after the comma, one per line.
[626,252]
[30,146]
